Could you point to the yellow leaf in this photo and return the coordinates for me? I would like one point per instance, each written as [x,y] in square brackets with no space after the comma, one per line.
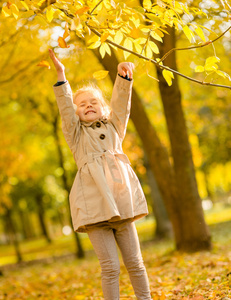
[128,45]
[118,37]
[200,33]
[50,14]
[6,11]
[44,63]
[148,52]
[94,45]
[188,32]
[212,59]
[199,69]
[100,74]
[168,76]
[147,4]
[154,47]
[211,67]
[62,43]
[102,50]
[82,10]
[25,5]
[75,23]
[156,36]
[66,32]
[104,36]
[27,14]
[223,74]
[138,47]
[135,33]
[15,11]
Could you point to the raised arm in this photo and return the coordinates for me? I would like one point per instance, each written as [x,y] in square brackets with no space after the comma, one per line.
[60,69]
[63,93]
[121,97]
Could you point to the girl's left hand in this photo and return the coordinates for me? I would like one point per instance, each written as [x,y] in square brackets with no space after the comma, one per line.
[126,68]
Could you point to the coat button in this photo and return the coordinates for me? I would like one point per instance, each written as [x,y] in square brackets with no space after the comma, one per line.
[98,124]
[102,136]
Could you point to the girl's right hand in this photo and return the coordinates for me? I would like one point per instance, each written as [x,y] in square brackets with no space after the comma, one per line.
[58,66]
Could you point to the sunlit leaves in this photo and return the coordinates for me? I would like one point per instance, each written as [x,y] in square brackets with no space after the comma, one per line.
[211,67]
[147,4]
[100,74]
[10,9]
[119,22]
[104,48]
[153,47]
[25,5]
[168,76]
[189,33]
[82,10]
[50,14]
[129,45]
[200,33]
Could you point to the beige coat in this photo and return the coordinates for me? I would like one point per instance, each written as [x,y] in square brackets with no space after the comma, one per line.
[105,187]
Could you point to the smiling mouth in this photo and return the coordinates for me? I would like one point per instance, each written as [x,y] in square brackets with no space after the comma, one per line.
[90,112]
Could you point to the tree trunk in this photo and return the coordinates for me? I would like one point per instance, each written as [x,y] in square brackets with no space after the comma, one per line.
[163,224]
[27,229]
[41,216]
[13,233]
[194,232]
[80,251]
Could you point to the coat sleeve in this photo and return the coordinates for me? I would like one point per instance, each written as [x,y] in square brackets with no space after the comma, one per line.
[70,121]
[121,104]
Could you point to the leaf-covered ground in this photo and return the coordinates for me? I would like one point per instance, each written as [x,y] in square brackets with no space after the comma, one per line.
[172,275]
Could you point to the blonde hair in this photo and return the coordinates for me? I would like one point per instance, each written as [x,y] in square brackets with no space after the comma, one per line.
[98,95]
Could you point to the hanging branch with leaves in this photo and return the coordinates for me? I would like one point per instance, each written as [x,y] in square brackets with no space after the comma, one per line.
[106,23]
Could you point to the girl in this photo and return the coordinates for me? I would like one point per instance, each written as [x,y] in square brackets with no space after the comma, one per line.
[106,196]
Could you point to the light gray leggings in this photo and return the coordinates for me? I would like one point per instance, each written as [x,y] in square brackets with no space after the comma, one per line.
[104,237]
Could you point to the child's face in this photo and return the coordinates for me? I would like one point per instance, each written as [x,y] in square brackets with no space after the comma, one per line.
[89,108]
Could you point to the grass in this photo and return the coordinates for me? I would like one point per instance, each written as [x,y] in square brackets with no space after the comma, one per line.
[64,245]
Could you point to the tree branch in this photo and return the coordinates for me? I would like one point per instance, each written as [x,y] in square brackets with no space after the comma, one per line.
[194,47]
[95,7]
[157,63]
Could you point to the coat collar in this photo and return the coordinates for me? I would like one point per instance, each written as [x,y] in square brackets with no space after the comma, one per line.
[92,124]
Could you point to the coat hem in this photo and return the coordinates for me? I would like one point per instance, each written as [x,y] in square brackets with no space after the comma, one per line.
[82,228]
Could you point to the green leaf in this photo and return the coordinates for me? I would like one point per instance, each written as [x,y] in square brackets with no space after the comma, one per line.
[168,76]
